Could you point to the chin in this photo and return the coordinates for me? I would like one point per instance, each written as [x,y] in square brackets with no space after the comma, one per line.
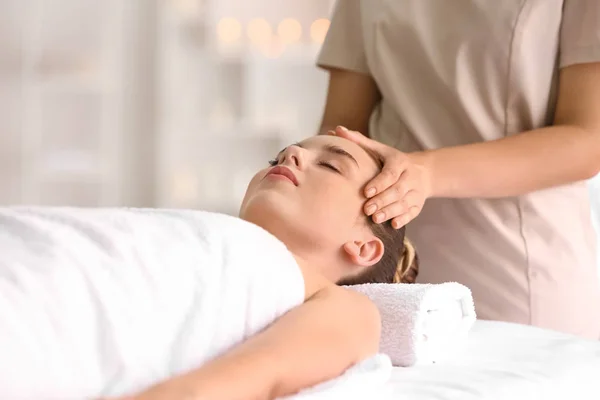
[279,216]
[266,208]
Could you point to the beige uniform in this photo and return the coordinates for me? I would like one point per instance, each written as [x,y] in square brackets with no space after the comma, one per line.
[453,72]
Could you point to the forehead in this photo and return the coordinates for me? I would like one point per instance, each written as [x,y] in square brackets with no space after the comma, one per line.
[363,156]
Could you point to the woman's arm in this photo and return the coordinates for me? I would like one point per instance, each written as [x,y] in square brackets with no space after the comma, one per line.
[567,152]
[351,98]
[316,341]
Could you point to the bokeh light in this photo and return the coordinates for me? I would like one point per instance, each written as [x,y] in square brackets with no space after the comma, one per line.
[229,30]
[318,30]
[289,30]
[259,31]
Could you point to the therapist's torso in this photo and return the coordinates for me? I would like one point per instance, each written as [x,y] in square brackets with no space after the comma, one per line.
[458,72]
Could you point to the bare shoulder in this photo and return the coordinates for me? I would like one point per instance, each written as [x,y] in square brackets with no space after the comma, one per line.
[360,315]
[320,288]
[354,312]
[359,302]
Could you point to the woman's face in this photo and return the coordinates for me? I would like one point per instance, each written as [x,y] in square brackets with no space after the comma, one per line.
[312,194]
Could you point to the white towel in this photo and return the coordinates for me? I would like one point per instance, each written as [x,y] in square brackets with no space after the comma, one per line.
[363,381]
[106,302]
[421,323]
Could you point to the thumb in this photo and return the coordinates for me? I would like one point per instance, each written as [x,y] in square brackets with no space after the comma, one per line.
[357,138]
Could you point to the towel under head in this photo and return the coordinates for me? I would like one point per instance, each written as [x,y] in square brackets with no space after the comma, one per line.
[421,323]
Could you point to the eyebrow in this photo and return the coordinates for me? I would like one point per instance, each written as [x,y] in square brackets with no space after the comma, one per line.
[339,151]
[375,156]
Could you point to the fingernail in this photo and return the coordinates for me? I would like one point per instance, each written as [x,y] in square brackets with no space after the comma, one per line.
[371,209]
[379,217]
[370,192]
[343,128]
[400,223]
[331,132]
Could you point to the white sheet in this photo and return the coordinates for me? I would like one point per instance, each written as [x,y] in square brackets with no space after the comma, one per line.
[507,362]
[365,380]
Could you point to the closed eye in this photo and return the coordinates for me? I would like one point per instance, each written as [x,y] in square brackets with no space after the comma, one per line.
[329,166]
[325,164]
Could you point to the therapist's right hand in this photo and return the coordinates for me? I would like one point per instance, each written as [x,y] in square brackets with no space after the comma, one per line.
[400,190]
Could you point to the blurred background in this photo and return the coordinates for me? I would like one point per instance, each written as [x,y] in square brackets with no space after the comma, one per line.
[167,103]
[155,103]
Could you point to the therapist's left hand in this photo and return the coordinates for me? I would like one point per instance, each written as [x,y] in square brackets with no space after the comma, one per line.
[400,190]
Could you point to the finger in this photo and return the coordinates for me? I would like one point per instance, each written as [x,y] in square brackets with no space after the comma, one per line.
[404,219]
[397,208]
[358,138]
[401,207]
[390,211]
[388,176]
[390,195]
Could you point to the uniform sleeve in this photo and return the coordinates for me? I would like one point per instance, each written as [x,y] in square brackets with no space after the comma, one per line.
[344,44]
[580,32]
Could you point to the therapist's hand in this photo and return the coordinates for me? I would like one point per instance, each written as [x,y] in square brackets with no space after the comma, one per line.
[400,190]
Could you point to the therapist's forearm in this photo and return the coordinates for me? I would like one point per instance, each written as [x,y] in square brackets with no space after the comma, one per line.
[515,165]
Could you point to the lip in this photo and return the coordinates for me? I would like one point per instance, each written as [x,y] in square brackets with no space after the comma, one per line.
[285,172]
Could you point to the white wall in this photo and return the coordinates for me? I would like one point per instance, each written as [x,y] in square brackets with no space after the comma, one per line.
[62,101]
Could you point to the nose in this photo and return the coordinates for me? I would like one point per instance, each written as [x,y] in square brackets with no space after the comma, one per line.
[294,155]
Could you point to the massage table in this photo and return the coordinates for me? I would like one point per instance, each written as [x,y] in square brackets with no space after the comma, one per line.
[504,361]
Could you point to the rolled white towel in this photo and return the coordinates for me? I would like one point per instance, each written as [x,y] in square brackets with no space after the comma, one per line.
[421,323]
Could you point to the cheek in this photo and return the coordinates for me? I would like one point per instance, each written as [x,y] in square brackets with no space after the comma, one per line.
[336,205]
[255,180]
[252,185]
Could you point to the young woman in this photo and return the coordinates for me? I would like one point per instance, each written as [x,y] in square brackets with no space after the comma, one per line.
[304,212]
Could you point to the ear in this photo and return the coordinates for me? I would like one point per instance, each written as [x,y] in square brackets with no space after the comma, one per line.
[364,253]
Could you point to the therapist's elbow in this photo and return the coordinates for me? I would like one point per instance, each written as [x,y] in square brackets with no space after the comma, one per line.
[594,162]
[594,171]
[588,159]
[589,170]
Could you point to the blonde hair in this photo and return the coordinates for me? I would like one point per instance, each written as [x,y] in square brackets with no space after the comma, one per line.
[399,263]
[408,265]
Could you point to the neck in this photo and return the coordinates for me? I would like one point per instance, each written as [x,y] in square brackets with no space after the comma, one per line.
[317,265]
[314,278]
[312,256]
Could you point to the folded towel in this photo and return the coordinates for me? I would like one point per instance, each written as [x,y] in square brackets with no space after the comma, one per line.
[421,323]
[363,381]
